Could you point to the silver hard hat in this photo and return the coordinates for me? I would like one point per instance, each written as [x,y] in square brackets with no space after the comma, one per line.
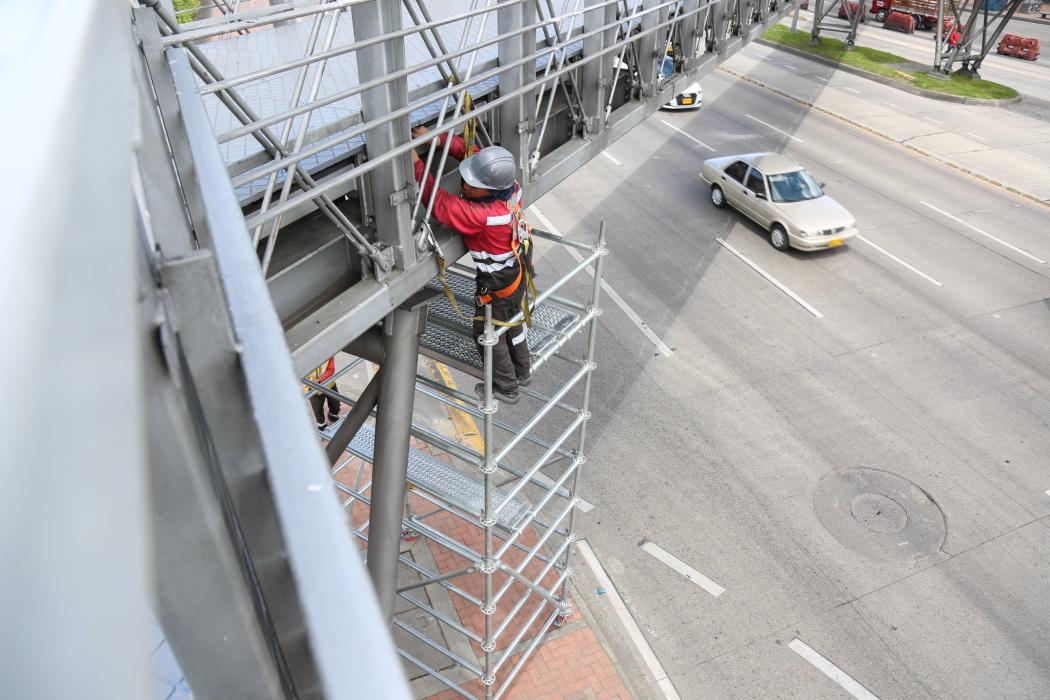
[491,168]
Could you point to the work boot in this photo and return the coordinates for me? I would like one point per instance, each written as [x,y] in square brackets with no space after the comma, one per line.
[507,396]
[333,418]
[525,379]
[321,427]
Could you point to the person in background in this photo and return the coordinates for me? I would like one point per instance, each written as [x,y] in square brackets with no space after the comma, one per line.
[319,400]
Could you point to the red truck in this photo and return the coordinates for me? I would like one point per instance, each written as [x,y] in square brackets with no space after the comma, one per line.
[924,11]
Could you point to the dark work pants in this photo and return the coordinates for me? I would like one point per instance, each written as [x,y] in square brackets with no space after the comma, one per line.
[510,356]
[318,401]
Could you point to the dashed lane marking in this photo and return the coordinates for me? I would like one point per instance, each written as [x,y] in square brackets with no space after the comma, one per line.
[845,681]
[781,131]
[998,240]
[617,299]
[615,162]
[855,92]
[891,256]
[770,278]
[684,569]
[688,136]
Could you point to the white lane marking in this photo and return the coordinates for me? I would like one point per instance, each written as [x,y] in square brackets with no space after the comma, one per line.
[790,67]
[584,506]
[633,631]
[691,138]
[1029,156]
[895,106]
[894,257]
[801,302]
[935,121]
[817,77]
[858,92]
[984,233]
[617,299]
[831,670]
[773,128]
[1048,493]
[683,568]
[979,138]
[615,162]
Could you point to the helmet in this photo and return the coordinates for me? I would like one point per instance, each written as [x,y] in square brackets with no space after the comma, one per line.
[491,168]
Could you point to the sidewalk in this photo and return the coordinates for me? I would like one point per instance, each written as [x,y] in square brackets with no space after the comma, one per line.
[1003,146]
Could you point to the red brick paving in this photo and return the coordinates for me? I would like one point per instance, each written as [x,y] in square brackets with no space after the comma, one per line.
[571,666]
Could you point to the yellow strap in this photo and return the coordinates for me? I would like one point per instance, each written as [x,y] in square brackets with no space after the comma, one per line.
[526,307]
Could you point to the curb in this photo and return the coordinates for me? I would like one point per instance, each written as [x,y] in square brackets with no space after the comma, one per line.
[889,81]
[881,134]
[1033,20]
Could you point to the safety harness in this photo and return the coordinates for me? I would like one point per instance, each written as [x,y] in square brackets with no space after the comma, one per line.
[521,245]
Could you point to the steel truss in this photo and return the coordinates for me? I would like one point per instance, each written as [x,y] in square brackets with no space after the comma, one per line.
[980,31]
[855,11]
[309,197]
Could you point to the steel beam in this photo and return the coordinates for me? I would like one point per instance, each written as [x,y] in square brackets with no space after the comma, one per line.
[515,114]
[393,182]
[596,74]
[311,574]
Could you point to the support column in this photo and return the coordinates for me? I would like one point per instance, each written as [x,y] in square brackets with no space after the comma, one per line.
[691,33]
[645,47]
[390,183]
[514,113]
[597,73]
[717,24]
[397,389]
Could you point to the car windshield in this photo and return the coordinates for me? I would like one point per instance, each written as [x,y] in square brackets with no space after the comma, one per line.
[796,186]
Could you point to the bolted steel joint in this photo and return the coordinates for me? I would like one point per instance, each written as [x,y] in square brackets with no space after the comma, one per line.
[586,415]
[488,608]
[487,468]
[487,566]
[488,339]
[590,366]
[581,460]
[487,521]
[489,679]
[488,408]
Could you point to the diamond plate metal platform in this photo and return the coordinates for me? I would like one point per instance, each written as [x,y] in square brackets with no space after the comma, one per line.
[448,337]
[443,480]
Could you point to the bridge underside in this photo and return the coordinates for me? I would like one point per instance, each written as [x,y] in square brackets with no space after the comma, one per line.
[281,226]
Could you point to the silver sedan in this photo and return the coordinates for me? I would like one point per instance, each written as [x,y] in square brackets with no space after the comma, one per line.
[782,197]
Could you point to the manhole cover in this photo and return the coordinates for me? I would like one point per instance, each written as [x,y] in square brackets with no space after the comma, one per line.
[880,515]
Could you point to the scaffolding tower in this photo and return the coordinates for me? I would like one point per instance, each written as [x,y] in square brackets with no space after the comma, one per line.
[280,225]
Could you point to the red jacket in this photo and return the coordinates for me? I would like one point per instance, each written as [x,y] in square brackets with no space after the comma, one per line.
[487,226]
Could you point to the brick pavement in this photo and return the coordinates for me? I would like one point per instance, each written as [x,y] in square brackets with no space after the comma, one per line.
[570,664]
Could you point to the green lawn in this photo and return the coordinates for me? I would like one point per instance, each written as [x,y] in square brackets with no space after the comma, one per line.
[887,64]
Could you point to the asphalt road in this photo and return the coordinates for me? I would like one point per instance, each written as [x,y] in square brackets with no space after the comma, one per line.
[872,482]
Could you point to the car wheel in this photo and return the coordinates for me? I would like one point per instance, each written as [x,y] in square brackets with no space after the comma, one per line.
[880,16]
[778,237]
[718,197]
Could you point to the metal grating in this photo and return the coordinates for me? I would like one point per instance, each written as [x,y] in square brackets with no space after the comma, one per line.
[444,481]
[449,335]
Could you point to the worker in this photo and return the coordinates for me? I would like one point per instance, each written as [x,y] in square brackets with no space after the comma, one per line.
[489,216]
[952,41]
[319,399]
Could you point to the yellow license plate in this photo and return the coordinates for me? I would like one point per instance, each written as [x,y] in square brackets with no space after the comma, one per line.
[687,100]
[834,242]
